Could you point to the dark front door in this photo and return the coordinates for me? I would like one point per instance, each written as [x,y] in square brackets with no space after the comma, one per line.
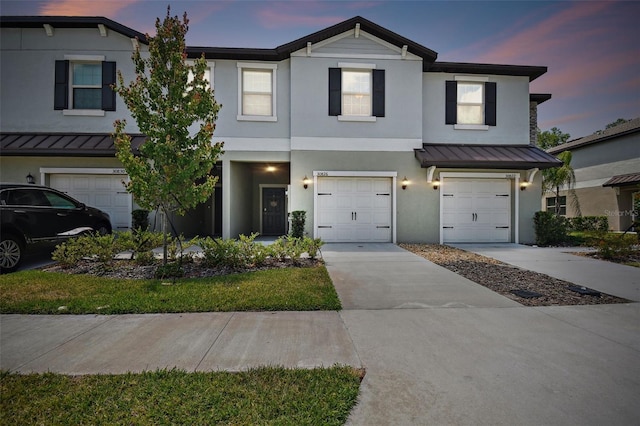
[274,217]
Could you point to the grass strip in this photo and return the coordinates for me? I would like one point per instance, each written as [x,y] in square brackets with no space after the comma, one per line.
[285,289]
[262,396]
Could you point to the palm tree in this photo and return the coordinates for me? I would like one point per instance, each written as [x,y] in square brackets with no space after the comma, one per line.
[560,177]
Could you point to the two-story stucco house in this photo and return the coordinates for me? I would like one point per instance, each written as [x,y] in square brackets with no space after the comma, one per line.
[356,125]
[607,169]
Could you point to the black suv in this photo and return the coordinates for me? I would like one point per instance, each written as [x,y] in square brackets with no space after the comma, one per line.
[37,214]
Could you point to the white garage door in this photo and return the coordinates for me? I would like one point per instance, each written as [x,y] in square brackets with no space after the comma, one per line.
[105,192]
[354,209]
[477,211]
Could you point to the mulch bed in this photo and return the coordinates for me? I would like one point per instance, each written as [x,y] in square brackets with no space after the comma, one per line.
[503,278]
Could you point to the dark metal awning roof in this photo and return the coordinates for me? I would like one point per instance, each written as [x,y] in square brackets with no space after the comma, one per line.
[623,180]
[485,156]
[62,144]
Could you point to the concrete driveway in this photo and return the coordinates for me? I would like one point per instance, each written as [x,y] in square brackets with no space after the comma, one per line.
[483,360]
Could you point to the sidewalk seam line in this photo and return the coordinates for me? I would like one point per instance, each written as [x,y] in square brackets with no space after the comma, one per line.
[65,342]
[214,342]
[355,348]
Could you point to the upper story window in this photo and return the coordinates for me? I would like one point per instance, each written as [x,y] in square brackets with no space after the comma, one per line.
[208,73]
[257,92]
[83,85]
[356,92]
[471,103]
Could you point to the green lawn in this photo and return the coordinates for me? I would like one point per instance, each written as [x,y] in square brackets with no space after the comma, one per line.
[286,289]
[262,396]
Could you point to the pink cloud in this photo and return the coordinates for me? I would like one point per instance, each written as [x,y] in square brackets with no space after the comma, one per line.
[84,7]
[290,14]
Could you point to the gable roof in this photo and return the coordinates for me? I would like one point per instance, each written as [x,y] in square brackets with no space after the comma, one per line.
[284,51]
[630,127]
[69,22]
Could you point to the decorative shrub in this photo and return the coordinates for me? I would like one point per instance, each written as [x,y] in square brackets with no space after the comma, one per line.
[589,223]
[549,228]
[241,253]
[612,246]
[101,248]
[298,218]
[140,219]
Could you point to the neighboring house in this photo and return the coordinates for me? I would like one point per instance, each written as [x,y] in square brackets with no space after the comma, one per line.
[356,125]
[607,169]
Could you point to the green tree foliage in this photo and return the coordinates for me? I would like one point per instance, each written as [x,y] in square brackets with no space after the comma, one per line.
[550,138]
[558,178]
[175,108]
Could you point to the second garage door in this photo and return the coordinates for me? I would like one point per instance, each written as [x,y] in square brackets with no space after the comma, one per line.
[105,192]
[354,209]
[476,211]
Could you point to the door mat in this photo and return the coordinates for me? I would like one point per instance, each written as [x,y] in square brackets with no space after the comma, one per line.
[584,290]
[526,294]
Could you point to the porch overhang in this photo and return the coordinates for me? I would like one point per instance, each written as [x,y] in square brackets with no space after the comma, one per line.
[623,180]
[519,157]
[63,144]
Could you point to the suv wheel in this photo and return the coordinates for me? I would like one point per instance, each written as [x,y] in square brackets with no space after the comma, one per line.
[11,250]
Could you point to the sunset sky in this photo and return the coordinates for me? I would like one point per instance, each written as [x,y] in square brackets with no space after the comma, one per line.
[592,48]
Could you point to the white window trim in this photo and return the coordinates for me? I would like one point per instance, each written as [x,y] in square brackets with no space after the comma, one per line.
[80,59]
[211,65]
[470,127]
[356,66]
[249,65]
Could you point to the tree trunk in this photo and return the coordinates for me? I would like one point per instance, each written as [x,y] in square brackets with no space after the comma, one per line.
[557,201]
[164,236]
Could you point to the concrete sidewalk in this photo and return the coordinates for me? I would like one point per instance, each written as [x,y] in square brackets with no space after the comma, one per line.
[607,277]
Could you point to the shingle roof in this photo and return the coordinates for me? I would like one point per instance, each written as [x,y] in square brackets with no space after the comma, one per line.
[631,126]
[485,156]
[623,180]
[62,144]
[69,22]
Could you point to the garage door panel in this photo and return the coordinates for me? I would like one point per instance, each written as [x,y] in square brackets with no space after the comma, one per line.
[476,210]
[105,192]
[354,210]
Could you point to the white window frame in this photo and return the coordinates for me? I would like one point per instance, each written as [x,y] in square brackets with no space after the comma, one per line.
[242,66]
[357,67]
[78,59]
[210,67]
[480,80]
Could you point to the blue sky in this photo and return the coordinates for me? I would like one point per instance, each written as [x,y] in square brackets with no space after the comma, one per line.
[592,48]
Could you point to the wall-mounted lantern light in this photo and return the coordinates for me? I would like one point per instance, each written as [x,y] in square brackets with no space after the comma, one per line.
[305,182]
[271,169]
[524,185]
[436,184]
[405,182]
[30,179]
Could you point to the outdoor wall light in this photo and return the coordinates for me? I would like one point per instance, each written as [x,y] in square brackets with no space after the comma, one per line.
[523,186]
[30,179]
[405,182]
[305,182]
[436,184]
[271,169]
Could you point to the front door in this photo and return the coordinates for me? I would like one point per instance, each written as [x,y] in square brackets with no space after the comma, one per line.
[274,213]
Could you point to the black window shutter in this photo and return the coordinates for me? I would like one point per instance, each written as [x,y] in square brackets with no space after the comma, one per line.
[378,93]
[61,85]
[335,91]
[451,102]
[490,104]
[108,78]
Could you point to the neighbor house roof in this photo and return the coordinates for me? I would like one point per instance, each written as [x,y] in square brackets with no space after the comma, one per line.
[623,180]
[485,156]
[62,144]
[630,127]
[69,22]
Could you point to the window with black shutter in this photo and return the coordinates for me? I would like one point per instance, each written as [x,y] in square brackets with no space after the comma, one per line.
[84,85]
[356,92]
[470,103]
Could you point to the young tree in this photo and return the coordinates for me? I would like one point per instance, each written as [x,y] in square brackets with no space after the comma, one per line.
[168,99]
[554,179]
[550,138]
